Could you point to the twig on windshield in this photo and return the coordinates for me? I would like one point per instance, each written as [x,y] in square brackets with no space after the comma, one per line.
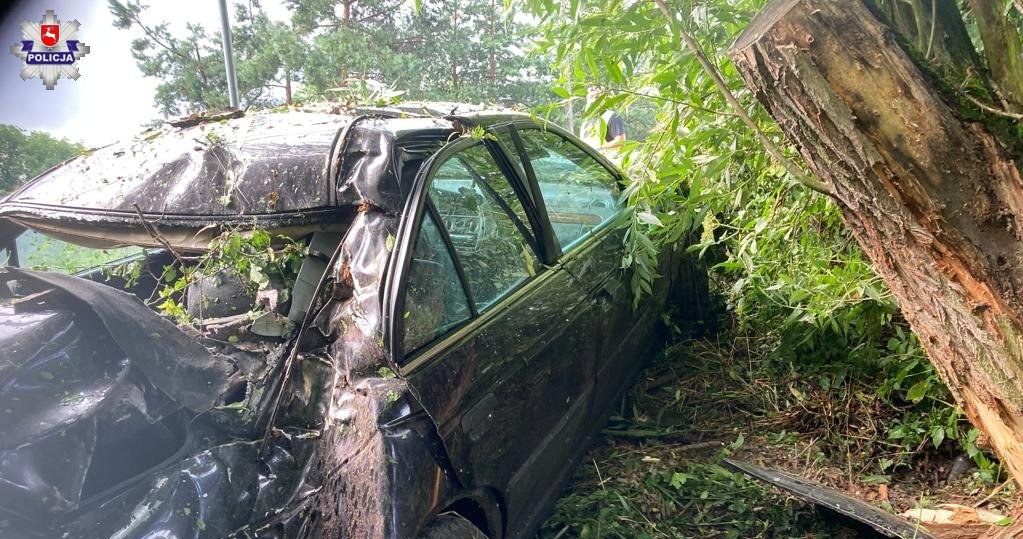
[155,234]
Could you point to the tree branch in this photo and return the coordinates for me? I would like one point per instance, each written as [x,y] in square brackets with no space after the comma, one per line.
[155,234]
[715,76]
[993,110]
[156,40]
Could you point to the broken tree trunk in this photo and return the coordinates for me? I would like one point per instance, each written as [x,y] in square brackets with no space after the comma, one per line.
[933,200]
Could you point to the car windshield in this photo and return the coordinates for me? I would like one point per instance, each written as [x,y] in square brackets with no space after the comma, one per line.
[40,252]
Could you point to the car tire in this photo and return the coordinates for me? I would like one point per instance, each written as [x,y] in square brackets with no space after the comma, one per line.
[451,526]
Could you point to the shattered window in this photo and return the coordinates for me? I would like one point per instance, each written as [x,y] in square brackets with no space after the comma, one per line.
[486,223]
[579,193]
[37,251]
[435,301]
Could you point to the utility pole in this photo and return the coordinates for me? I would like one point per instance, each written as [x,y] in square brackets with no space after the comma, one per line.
[225,31]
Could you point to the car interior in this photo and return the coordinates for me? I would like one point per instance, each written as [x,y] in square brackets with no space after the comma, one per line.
[578,192]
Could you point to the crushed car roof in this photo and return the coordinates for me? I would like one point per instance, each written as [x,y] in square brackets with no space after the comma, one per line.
[269,167]
[256,164]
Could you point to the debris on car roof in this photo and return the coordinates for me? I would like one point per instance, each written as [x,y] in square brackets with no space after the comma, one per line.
[197,118]
[223,168]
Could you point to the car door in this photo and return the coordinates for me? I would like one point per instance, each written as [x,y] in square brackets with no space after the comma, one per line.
[488,337]
[579,192]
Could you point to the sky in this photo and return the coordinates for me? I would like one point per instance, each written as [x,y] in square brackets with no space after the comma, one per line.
[111,100]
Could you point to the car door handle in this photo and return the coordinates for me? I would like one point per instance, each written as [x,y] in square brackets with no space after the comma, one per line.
[478,419]
[606,290]
[604,294]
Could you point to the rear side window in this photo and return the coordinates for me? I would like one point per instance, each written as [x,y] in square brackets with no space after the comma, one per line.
[579,193]
[435,301]
[486,223]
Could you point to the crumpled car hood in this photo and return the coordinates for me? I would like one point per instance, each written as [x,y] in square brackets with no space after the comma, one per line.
[114,424]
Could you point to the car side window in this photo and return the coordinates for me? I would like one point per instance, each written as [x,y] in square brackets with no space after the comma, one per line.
[580,194]
[435,301]
[486,223]
[37,251]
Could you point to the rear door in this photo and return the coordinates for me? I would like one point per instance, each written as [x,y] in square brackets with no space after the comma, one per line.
[490,337]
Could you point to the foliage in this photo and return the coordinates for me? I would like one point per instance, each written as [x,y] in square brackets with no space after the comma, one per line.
[451,50]
[789,270]
[633,497]
[474,53]
[659,472]
[191,66]
[255,257]
[260,261]
[25,155]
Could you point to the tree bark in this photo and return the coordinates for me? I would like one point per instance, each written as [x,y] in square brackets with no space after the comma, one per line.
[934,201]
[287,88]
[1012,531]
[1003,50]
[935,29]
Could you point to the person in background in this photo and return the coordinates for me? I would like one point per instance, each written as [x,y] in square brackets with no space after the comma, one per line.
[609,121]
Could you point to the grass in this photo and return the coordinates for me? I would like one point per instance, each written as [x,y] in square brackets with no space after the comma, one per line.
[657,473]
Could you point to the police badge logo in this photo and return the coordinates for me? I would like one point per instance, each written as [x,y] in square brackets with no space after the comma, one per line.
[48,34]
[55,54]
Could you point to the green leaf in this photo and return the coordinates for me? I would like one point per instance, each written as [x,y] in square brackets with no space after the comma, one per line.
[648,218]
[258,277]
[918,391]
[937,435]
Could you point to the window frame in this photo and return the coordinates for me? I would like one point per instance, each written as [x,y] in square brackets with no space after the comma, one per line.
[416,206]
[431,211]
[551,241]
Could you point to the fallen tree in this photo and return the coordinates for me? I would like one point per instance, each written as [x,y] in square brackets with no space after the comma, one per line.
[932,193]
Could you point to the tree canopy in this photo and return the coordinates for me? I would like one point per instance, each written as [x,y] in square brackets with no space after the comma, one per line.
[452,50]
[25,155]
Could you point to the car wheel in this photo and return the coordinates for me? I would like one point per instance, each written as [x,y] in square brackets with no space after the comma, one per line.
[451,526]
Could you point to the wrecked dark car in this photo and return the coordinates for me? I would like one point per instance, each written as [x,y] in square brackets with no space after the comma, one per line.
[454,329]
